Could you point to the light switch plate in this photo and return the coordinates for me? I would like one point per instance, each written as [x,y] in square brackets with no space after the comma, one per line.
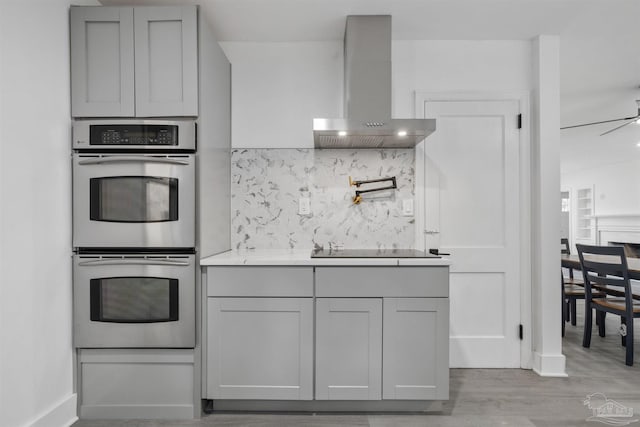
[407,207]
[304,206]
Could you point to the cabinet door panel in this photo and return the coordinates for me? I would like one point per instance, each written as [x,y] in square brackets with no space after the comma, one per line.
[260,348]
[348,349]
[416,348]
[166,61]
[102,64]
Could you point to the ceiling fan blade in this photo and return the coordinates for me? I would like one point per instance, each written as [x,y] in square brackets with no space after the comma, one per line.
[621,126]
[599,123]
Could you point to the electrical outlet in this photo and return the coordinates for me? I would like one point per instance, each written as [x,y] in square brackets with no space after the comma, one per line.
[304,206]
[407,207]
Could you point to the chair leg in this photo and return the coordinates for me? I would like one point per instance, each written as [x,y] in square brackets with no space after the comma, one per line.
[567,311]
[586,338]
[573,311]
[629,355]
[623,321]
[600,322]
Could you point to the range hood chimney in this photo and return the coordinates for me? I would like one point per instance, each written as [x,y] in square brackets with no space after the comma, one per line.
[367,98]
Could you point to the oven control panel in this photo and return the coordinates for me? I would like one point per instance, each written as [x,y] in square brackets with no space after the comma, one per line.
[134,134]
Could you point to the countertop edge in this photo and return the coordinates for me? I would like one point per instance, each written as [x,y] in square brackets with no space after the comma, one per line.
[302,258]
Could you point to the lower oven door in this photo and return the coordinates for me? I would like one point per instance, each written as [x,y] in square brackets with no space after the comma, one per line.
[133,200]
[134,301]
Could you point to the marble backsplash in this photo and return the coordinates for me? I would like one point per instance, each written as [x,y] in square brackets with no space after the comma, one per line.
[266,185]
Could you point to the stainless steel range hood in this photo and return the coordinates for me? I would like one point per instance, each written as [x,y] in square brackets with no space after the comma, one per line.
[367,98]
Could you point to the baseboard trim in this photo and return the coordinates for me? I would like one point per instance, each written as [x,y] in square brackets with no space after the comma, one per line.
[550,365]
[62,414]
[167,412]
[326,405]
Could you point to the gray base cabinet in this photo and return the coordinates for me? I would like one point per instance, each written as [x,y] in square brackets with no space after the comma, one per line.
[136,383]
[260,348]
[134,61]
[259,333]
[416,348]
[380,334]
[348,349]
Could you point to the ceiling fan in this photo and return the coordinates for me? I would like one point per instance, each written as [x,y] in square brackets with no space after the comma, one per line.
[629,121]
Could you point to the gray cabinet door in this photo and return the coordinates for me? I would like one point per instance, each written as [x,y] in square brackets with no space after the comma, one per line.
[260,348]
[102,69]
[416,348]
[166,61]
[348,348]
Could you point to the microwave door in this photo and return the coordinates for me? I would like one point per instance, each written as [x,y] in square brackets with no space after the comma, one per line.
[134,201]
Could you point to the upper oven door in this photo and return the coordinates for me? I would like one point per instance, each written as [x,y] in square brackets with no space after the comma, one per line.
[133,200]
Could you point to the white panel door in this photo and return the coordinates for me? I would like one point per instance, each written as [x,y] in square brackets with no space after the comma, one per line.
[348,348]
[472,184]
[260,348]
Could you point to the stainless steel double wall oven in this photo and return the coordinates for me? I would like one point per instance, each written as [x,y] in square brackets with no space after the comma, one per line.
[134,233]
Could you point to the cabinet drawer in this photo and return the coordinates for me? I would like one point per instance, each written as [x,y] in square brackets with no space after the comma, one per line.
[382,282]
[260,281]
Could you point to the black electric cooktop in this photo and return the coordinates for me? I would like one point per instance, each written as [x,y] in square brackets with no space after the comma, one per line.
[371,253]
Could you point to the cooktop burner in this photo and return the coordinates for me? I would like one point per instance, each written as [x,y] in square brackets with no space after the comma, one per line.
[371,253]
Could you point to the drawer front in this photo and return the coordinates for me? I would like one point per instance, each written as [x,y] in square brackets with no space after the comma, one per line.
[352,282]
[252,281]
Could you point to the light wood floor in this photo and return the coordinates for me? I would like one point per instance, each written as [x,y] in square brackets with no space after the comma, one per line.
[484,397]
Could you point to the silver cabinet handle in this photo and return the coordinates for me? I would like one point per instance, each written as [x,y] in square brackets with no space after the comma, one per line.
[124,261]
[123,159]
[431,232]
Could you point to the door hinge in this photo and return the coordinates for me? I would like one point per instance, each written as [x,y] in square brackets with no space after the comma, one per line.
[521,332]
[519,121]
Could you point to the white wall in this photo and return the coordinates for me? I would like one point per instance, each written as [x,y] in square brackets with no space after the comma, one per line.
[616,185]
[457,66]
[278,88]
[35,198]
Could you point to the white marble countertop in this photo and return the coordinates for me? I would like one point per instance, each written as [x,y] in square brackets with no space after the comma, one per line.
[303,257]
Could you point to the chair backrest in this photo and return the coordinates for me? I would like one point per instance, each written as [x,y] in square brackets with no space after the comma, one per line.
[564,246]
[605,267]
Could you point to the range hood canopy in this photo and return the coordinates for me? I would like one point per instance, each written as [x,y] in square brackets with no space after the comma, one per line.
[367,98]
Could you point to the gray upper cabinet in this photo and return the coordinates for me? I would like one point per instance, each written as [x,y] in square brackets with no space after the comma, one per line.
[166,61]
[102,77]
[134,62]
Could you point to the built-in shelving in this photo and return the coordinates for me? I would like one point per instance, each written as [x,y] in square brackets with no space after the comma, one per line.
[584,214]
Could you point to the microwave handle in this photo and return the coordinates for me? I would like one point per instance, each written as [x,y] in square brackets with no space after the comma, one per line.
[99,262]
[120,159]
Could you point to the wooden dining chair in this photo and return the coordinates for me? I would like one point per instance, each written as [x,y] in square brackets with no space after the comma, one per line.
[605,269]
[565,250]
[572,289]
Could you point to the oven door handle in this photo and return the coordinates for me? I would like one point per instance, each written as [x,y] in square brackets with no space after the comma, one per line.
[123,159]
[165,262]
